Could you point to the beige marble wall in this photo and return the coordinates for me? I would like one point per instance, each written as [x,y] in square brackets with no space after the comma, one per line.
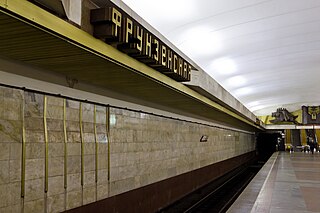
[102,153]
[144,149]
[94,185]
[74,188]
[56,192]
[35,153]
[147,148]
[89,184]
[10,149]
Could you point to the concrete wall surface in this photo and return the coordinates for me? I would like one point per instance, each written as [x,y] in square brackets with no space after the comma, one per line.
[58,153]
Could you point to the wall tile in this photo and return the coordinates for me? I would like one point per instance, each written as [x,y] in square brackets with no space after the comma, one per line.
[35,206]
[35,136]
[89,179]
[88,138]
[72,114]
[55,166]
[15,193]
[89,195]
[102,192]
[35,150]
[120,186]
[73,164]
[15,151]
[11,109]
[89,162]
[10,131]
[89,148]
[4,151]
[74,149]
[56,149]
[34,168]
[55,185]
[102,162]
[54,112]
[74,182]
[5,199]
[102,176]
[54,125]
[34,124]
[55,203]
[4,172]
[55,101]
[73,137]
[34,189]
[11,209]
[56,136]
[101,128]
[88,127]
[15,170]
[71,104]
[74,199]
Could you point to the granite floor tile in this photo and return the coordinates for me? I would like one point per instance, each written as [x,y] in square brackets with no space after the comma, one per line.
[296,185]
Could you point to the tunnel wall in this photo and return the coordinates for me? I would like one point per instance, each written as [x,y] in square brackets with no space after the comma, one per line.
[58,154]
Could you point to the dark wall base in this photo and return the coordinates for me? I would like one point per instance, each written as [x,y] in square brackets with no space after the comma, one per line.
[155,196]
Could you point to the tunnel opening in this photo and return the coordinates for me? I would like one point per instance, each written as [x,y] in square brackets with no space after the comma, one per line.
[268,143]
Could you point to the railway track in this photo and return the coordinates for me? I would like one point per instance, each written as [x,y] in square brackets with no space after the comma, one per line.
[217,196]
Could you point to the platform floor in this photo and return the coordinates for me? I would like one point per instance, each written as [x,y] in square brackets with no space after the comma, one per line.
[288,182]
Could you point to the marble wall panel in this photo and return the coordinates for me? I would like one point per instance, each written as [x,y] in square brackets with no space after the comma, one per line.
[56,203]
[89,194]
[160,147]
[35,152]
[74,188]
[144,149]
[74,199]
[10,148]
[89,159]
[34,206]
[102,188]
[10,131]
[55,200]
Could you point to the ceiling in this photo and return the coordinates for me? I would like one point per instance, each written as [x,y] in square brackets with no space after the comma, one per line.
[266,53]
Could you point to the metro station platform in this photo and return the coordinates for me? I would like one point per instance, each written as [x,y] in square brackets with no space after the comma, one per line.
[288,182]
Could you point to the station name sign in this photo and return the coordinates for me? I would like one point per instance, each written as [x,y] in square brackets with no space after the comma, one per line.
[118,29]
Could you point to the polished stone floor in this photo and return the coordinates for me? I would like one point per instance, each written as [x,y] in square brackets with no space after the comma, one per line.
[288,182]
